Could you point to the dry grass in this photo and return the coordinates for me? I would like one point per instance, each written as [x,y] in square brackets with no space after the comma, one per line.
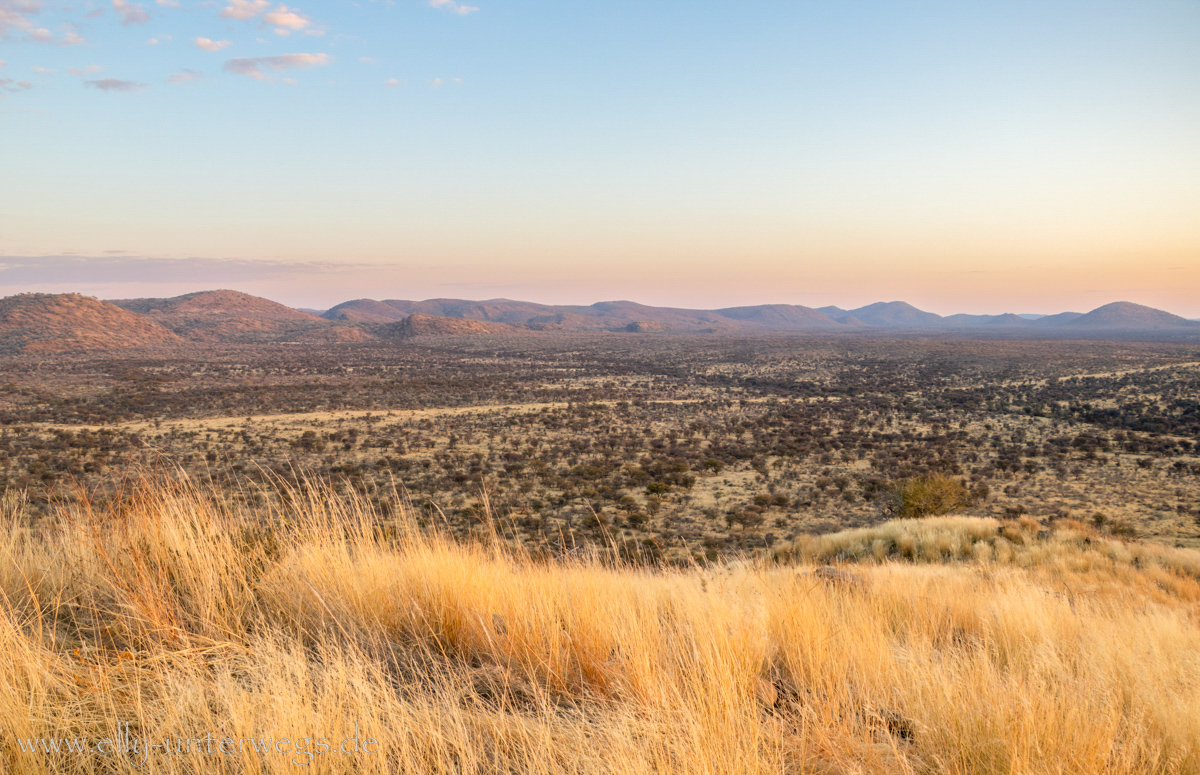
[1053,652]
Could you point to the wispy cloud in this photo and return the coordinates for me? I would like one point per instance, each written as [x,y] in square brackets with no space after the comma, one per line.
[9,85]
[130,13]
[204,44]
[391,83]
[80,270]
[115,85]
[16,23]
[454,7]
[184,76]
[258,67]
[82,71]
[244,9]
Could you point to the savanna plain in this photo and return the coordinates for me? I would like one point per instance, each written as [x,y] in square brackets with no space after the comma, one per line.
[606,552]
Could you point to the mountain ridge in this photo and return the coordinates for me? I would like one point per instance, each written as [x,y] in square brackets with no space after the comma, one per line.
[62,323]
[632,316]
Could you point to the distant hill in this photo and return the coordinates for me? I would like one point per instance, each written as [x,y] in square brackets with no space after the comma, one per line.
[420,324]
[492,310]
[364,311]
[223,316]
[68,322]
[896,314]
[839,315]
[601,316]
[1057,320]
[628,316]
[227,316]
[1007,319]
[1127,316]
[781,317]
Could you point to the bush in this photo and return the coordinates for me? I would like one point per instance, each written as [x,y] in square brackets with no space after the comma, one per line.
[926,496]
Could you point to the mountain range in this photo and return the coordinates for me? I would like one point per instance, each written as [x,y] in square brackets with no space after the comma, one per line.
[629,316]
[63,323]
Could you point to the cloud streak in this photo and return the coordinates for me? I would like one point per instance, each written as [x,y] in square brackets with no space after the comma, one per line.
[79,270]
[184,76]
[259,67]
[9,85]
[115,85]
[454,7]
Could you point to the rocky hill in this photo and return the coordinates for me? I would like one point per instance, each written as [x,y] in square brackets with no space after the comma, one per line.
[231,316]
[364,311]
[420,324]
[48,323]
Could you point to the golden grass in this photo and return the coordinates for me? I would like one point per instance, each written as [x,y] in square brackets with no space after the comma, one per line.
[1058,652]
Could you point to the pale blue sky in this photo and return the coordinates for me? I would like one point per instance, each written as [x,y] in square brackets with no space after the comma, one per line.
[1017,156]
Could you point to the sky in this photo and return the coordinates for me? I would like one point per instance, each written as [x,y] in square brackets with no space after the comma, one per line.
[963,156]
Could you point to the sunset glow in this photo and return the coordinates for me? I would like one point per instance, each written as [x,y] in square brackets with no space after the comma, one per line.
[1029,157]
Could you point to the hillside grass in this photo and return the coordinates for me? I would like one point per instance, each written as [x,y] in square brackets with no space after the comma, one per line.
[949,645]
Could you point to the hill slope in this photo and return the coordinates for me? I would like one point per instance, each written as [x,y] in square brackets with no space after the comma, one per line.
[226,316]
[364,311]
[420,324]
[896,314]
[781,317]
[1128,316]
[68,322]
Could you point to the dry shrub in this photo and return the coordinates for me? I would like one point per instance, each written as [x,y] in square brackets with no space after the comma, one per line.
[926,496]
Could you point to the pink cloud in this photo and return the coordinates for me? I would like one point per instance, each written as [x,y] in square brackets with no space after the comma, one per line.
[130,13]
[286,20]
[245,9]
[204,44]
[257,67]
[454,7]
